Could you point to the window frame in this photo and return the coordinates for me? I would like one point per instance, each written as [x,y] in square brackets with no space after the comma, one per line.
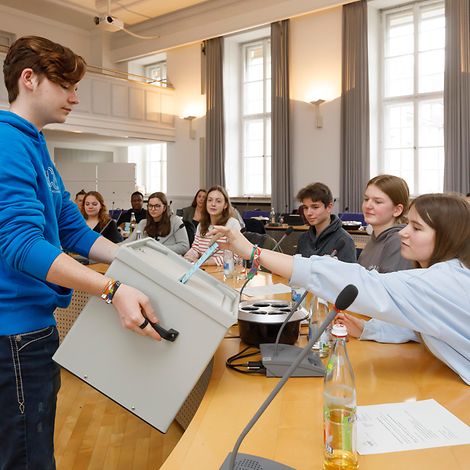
[162,64]
[144,163]
[416,98]
[264,116]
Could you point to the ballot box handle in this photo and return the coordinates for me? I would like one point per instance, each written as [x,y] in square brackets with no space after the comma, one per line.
[169,335]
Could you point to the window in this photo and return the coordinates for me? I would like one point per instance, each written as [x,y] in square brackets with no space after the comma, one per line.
[256,118]
[157,72]
[150,163]
[412,95]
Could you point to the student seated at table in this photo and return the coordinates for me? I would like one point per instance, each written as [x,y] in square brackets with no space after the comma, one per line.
[79,198]
[325,232]
[97,217]
[217,211]
[137,207]
[431,300]
[385,206]
[193,213]
[162,225]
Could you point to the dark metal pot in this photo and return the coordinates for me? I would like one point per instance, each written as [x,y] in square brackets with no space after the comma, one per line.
[259,321]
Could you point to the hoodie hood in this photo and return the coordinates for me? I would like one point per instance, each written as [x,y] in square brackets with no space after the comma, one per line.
[24,126]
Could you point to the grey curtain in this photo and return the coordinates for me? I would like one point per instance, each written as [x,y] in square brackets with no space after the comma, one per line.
[354,159]
[215,144]
[457,97]
[280,134]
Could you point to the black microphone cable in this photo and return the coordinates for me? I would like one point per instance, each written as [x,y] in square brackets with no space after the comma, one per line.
[250,367]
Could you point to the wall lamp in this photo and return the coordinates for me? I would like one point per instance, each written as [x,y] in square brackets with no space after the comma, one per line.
[192,132]
[318,115]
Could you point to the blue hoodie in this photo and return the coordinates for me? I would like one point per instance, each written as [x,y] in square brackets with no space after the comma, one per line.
[37,221]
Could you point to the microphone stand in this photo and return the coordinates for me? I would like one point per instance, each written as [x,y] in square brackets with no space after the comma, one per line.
[275,364]
[284,236]
[259,462]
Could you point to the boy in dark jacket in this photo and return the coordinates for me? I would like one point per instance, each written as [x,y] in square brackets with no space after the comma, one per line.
[326,232]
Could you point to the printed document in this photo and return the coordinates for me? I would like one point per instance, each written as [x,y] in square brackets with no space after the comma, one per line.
[396,427]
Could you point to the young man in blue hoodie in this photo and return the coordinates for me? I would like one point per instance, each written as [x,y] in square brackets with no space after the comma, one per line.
[37,222]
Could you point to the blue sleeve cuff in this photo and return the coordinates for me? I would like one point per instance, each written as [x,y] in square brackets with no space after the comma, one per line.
[83,246]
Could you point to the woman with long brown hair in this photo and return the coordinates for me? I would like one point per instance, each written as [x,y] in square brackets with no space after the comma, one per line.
[431,300]
[97,216]
[162,225]
[193,213]
[217,211]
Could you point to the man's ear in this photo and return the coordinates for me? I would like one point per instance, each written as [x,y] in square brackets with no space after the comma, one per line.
[28,79]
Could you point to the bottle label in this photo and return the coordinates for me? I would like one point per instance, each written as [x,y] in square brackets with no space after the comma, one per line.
[339,424]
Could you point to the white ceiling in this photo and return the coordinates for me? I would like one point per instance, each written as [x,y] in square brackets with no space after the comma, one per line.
[80,13]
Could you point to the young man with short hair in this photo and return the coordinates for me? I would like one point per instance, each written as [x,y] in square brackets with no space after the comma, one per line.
[137,203]
[79,198]
[37,222]
[326,235]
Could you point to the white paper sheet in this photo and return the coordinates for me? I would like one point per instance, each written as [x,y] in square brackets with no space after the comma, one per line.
[267,290]
[395,427]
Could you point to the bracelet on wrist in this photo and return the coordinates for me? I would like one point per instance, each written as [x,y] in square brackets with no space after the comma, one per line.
[110,290]
[255,262]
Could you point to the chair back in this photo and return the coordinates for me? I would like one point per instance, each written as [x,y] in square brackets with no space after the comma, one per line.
[190,230]
[263,241]
[254,225]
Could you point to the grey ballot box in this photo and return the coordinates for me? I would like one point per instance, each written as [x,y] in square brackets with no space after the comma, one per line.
[149,378]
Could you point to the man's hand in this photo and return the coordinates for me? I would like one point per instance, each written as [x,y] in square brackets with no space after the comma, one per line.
[133,308]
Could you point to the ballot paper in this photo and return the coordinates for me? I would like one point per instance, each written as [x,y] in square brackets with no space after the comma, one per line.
[267,290]
[396,427]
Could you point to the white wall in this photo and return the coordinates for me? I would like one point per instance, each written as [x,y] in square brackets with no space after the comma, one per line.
[25,24]
[315,72]
[184,159]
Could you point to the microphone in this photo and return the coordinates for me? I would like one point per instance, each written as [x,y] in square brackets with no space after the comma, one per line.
[339,247]
[345,298]
[177,230]
[286,234]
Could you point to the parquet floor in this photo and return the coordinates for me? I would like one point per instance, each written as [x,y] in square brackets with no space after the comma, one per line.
[94,433]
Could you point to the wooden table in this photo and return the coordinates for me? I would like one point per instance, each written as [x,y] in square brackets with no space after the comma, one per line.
[291,431]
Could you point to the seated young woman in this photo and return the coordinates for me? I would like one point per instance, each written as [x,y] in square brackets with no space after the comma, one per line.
[160,224]
[217,211]
[97,216]
[193,213]
[385,205]
[431,300]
